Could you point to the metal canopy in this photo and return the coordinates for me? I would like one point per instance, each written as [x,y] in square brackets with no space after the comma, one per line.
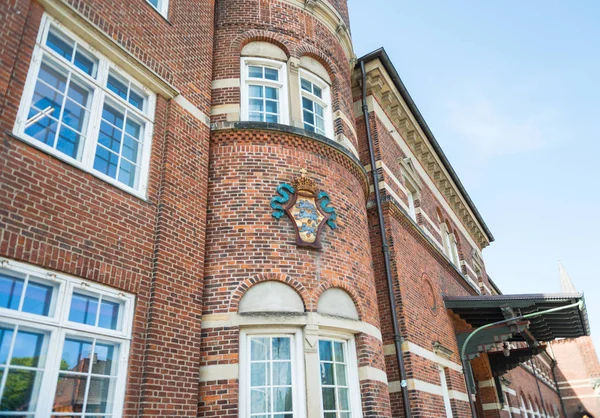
[482,310]
[501,364]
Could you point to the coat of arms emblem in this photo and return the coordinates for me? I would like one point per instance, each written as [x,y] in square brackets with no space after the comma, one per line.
[307,207]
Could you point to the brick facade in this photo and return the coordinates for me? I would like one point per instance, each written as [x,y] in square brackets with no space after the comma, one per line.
[203,234]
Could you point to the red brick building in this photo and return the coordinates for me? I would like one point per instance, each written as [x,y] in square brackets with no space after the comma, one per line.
[190,226]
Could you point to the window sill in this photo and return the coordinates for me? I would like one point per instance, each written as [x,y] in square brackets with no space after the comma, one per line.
[76,164]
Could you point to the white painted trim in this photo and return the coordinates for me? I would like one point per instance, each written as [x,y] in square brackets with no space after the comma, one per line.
[345,142]
[225,109]
[409,347]
[595,395]
[509,390]
[515,410]
[486,383]
[569,382]
[192,110]
[163,7]
[433,225]
[233,319]
[219,372]
[459,396]
[225,83]
[372,373]
[380,113]
[491,406]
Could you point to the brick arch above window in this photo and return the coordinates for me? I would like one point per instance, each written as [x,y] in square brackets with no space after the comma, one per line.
[257,35]
[246,284]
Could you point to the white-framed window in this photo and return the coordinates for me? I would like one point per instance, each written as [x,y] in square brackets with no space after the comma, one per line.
[161,5]
[264,94]
[81,108]
[271,374]
[445,392]
[315,100]
[64,345]
[338,370]
[450,245]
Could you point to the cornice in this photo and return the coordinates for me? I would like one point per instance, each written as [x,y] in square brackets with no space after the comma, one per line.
[382,88]
[329,16]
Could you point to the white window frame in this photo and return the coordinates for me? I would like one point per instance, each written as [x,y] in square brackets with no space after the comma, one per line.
[352,367]
[454,256]
[282,85]
[163,7]
[325,101]
[99,93]
[297,356]
[57,327]
[445,392]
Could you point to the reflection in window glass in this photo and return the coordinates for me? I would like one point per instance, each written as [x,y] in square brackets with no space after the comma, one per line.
[271,377]
[334,379]
[84,310]
[313,107]
[36,299]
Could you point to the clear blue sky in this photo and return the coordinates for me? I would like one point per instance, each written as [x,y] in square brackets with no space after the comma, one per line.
[511,90]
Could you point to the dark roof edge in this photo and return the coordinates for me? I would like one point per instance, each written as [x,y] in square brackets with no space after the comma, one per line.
[385,60]
[494,285]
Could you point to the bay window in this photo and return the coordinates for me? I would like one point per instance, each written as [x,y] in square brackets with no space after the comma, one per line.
[264,91]
[64,344]
[80,107]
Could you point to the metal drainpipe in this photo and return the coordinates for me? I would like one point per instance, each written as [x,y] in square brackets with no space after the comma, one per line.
[385,247]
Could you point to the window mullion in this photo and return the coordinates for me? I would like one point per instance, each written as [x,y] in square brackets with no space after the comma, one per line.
[22,300]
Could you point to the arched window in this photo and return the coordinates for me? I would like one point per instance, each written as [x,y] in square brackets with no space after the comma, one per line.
[315,97]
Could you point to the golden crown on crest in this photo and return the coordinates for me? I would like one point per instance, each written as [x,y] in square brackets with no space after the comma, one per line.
[303,184]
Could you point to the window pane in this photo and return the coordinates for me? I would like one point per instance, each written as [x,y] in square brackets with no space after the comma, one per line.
[27,349]
[327,374]
[53,77]
[340,374]
[20,385]
[307,104]
[60,45]
[329,399]
[255,91]
[306,85]
[70,393]
[259,401]
[343,399]
[282,401]
[338,349]
[281,348]
[117,86]
[133,128]
[109,314]
[319,110]
[74,116]
[271,74]
[256,105]
[113,116]
[330,415]
[271,106]
[130,148]
[136,99]
[76,355]
[317,91]
[325,350]
[83,309]
[68,142]
[255,117]
[10,291]
[100,395]
[6,336]
[282,373]
[110,137]
[272,118]
[127,174]
[259,374]
[106,162]
[271,93]
[259,349]
[154,3]
[309,118]
[43,129]
[255,71]
[85,63]
[103,359]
